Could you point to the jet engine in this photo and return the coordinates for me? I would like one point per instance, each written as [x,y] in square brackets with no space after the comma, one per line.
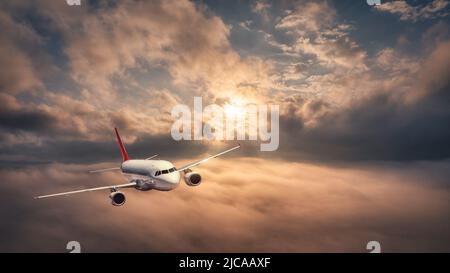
[117,198]
[192,179]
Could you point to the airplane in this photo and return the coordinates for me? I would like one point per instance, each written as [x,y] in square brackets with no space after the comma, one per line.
[146,174]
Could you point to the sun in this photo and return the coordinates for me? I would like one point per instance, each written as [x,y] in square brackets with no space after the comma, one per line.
[234,108]
[232,111]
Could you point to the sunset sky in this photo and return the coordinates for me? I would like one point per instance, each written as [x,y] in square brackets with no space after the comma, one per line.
[364,99]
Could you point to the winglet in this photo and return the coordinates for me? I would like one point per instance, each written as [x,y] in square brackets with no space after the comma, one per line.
[122,148]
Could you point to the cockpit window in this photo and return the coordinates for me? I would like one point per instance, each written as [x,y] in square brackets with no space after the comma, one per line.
[171,170]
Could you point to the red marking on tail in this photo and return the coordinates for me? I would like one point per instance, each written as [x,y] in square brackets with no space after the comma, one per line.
[122,148]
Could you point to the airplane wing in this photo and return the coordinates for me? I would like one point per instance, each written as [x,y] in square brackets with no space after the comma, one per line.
[206,159]
[105,170]
[127,185]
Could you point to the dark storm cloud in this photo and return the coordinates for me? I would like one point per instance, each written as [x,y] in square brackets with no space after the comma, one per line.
[384,126]
[377,129]
[73,151]
[12,120]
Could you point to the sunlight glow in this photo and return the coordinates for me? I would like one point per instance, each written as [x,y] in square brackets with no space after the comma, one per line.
[235,107]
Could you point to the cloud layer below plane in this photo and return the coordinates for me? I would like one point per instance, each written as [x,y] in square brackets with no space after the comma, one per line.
[281,207]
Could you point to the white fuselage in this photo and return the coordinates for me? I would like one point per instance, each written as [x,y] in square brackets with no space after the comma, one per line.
[151,174]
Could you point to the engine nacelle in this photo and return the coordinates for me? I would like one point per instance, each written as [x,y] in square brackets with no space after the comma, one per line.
[117,198]
[192,179]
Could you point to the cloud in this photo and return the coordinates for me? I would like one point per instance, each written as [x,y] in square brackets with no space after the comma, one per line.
[15,40]
[306,208]
[246,25]
[64,118]
[437,33]
[391,124]
[103,49]
[307,17]
[178,36]
[319,44]
[262,8]
[433,10]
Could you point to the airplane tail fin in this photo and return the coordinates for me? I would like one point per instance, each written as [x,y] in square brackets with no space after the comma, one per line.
[122,148]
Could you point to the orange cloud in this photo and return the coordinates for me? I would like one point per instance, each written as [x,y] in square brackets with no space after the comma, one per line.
[280,207]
